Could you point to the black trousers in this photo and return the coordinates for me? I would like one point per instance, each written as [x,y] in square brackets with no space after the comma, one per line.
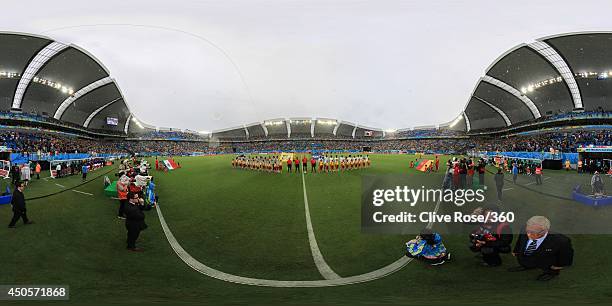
[538,179]
[132,236]
[491,256]
[19,214]
[122,204]
[499,192]
[529,262]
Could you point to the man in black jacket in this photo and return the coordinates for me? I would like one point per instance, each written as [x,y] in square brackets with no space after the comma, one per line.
[499,183]
[539,248]
[15,175]
[134,221]
[19,205]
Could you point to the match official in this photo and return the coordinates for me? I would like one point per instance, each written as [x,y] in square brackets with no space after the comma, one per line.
[541,249]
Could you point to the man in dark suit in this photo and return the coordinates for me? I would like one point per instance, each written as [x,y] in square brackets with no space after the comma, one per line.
[134,221]
[539,248]
[19,205]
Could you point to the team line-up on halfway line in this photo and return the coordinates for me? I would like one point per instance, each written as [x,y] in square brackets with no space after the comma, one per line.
[318,163]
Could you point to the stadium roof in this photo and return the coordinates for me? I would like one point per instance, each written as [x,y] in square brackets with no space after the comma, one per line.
[301,127]
[552,75]
[46,77]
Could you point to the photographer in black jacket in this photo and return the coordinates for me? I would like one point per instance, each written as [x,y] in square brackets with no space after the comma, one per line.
[491,238]
[19,205]
[134,220]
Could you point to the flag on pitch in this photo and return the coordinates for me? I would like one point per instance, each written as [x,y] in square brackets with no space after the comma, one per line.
[424,164]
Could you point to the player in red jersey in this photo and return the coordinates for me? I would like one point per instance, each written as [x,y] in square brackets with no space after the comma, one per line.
[313,164]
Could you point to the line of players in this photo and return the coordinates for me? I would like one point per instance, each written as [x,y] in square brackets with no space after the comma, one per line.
[324,163]
[258,162]
[329,163]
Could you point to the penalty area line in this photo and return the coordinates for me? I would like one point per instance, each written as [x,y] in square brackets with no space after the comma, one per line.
[325,270]
[220,275]
[60,185]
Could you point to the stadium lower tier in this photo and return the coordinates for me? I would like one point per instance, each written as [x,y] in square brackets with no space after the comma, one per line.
[45,143]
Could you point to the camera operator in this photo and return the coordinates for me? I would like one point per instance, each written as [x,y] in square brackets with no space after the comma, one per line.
[134,221]
[490,239]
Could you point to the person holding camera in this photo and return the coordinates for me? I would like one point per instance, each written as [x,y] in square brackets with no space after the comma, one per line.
[490,239]
[428,247]
[134,221]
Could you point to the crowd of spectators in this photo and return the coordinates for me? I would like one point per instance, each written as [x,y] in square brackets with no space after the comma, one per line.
[418,133]
[55,143]
[36,118]
[169,135]
[558,141]
[52,143]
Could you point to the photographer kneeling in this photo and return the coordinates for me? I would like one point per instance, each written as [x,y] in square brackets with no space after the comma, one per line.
[428,247]
[490,239]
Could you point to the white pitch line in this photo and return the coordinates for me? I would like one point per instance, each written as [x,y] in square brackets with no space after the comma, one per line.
[530,183]
[322,266]
[60,185]
[208,271]
[506,189]
[546,177]
[87,193]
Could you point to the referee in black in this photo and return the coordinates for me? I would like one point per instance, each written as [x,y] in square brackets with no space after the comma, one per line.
[19,205]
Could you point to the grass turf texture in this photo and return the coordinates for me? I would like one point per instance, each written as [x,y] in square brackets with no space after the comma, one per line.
[252,224]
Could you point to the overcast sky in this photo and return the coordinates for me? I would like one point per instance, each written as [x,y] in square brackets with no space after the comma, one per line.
[206,65]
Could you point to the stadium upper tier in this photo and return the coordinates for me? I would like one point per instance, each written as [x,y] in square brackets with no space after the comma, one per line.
[550,76]
[58,85]
[47,78]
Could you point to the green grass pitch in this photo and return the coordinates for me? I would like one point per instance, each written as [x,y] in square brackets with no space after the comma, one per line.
[252,224]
